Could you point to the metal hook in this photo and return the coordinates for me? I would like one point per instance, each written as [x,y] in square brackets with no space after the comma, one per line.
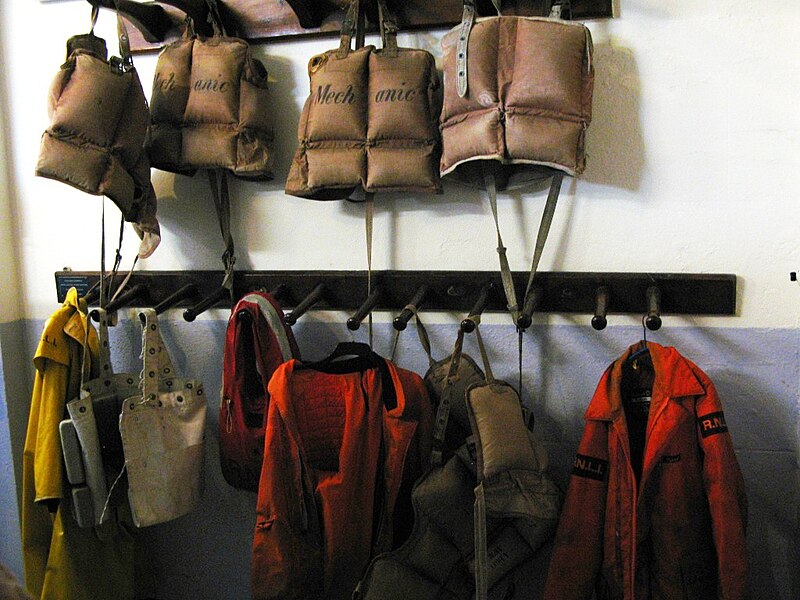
[313,297]
[468,325]
[187,291]
[401,321]
[653,317]
[601,296]
[354,322]
[532,300]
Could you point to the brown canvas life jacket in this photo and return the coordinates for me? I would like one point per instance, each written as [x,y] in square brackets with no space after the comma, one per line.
[518,92]
[95,140]
[210,109]
[370,120]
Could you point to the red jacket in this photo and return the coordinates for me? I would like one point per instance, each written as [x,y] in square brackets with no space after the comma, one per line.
[678,534]
[336,456]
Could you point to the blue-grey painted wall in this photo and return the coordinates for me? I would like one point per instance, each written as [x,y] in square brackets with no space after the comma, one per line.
[206,554]
[15,389]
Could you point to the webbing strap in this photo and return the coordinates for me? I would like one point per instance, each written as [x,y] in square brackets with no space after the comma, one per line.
[467,20]
[541,238]
[481,553]
[388,27]
[218,179]
[443,411]
[369,215]
[422,334]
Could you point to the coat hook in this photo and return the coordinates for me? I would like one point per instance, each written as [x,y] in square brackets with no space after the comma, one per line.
[401,321]
[601,295]
[135,292]
[187,291]
[532,300]
[313,297]
[92,295]
[281,293]
[354,322]
[190,314]
[653,319]
[468,325]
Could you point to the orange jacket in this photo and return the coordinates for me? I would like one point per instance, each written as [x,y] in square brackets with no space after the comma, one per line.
[336,455]
[679,533]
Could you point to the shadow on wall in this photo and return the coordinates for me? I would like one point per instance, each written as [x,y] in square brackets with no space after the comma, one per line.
[615,152]
[185,204]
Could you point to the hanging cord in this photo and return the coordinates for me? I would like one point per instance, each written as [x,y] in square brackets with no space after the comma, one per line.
[369,212]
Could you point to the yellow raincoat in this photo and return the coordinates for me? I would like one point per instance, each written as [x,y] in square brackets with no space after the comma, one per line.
[63,561]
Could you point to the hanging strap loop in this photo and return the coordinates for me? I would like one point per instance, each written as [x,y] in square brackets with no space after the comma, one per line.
[541,238]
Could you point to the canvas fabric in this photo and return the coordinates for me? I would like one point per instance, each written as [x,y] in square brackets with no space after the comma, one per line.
[527,98]
[95,139]
[163,435]
[370,120]
[210,108]
[478,515]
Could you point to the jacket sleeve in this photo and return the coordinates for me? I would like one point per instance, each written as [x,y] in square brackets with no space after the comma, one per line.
[726,495]
[578,549]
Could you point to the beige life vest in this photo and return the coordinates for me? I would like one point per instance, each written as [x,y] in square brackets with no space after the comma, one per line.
[95,139]
[370,120]
[520,96]
[210,109]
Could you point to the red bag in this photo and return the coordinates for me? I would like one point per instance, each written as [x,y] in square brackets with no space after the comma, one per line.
[257,342]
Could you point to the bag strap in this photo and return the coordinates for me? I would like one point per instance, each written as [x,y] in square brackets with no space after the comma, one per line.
[388,26]
[443,411]
[352,27]
[156,362]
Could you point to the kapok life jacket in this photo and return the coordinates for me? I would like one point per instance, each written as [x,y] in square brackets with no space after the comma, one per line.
[210,109]
[95,140]
[518,94]
[257,342]
[370,120]
[478,515]
[517,102]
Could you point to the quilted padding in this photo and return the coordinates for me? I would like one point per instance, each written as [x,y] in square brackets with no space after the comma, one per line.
[369,122]
[529,96]
[210,109]
[98,119]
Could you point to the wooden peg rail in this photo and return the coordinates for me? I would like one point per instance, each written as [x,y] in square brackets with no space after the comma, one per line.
[257,20]
[456,291]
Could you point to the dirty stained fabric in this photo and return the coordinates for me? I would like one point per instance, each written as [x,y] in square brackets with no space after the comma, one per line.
[61,559]
[656,507]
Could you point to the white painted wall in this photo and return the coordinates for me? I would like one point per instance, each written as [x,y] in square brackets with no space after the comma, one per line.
[693,167]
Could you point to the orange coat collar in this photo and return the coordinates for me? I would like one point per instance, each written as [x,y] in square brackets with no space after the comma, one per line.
[674,378]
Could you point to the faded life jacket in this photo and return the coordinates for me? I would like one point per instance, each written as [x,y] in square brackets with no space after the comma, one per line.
[482,513]
[518,93]
[370,121]
[210,109]
[257,342]
[95,140]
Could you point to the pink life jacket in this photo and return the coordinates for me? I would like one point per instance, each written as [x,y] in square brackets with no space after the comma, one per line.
[257,342]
